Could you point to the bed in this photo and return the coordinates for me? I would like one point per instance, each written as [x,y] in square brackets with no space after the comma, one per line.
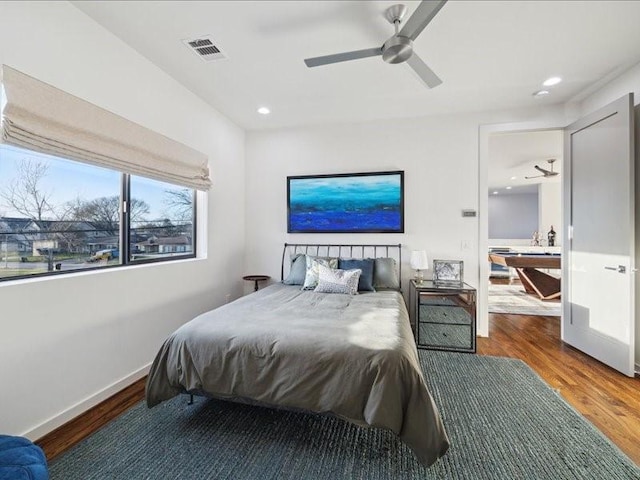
[352,356]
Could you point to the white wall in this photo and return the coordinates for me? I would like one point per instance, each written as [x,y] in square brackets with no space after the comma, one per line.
[68,342]
[550,210]
[438,154]
[626,82]
[440,180]
[513,216]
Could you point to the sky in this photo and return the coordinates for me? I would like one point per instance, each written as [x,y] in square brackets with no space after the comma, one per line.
[67,180]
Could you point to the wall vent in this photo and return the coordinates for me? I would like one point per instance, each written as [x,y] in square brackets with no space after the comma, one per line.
[205,48]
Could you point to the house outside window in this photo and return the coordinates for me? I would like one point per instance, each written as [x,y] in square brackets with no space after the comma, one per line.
[58,216]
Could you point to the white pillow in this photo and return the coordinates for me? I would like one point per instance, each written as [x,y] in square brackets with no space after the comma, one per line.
[311,276]
[337,281]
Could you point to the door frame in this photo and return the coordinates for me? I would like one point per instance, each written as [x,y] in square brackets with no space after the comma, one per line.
[485,131]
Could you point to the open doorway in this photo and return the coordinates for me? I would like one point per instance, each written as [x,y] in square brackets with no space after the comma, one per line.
[524,201]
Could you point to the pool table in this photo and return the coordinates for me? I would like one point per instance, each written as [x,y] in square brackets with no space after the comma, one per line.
[528,265]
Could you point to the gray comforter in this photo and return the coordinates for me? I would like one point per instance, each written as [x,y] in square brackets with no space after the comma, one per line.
[352,356]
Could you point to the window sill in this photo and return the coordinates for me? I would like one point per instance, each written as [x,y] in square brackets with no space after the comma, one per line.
[100,271]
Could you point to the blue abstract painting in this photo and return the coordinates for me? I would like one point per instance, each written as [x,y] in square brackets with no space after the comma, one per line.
[346,203]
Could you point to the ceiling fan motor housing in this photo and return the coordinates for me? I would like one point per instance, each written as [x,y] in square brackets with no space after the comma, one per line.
[397,49]
[395,13]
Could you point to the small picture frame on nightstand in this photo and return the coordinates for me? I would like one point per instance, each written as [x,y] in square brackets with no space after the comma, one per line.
[448,272]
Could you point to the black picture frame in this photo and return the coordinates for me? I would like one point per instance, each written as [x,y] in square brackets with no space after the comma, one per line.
[366,202]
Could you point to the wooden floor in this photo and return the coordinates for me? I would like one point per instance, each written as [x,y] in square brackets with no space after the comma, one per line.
[610,400]
[72,432]
[607,398]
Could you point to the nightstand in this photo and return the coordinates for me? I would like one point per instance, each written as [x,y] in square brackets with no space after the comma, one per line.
[443,317]
[256,279]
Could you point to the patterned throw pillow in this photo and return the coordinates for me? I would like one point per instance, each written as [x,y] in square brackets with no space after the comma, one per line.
[311,277]
[337,281]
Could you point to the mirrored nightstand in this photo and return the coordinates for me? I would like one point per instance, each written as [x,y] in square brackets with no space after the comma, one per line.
[443,317]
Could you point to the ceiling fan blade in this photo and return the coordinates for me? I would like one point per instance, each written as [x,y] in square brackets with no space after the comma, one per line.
[423,71]
[535,176]
[421,18]
[342,57]
[543,170]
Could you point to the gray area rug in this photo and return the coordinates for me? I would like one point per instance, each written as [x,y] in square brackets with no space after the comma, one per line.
[503,421]
[512,299]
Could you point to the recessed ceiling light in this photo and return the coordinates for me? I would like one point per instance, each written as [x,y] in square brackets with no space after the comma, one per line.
[541,93]
[264,111]
[508,188]
[549,82]
[495,192]
[513,178]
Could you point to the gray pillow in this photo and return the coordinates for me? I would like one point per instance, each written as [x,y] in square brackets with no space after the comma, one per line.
[297,271]
[365,283]
[385,274]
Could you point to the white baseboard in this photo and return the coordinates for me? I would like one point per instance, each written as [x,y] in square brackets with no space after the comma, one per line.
[72,412]
[637,369]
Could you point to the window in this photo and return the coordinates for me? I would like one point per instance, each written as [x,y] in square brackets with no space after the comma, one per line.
[58,216]
[161,219]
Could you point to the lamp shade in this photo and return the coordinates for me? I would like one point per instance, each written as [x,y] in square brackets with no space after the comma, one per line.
[419,260]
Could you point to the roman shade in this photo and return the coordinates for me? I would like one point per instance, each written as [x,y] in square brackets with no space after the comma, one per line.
[43,118]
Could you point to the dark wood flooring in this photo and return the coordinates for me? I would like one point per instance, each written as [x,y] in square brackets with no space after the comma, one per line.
[607,398]
[610,400]
[72,432]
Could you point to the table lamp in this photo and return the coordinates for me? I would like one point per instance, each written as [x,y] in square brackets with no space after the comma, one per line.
[419,262]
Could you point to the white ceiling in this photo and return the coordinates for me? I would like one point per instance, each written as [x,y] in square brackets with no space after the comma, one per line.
[516,154]
[490,55]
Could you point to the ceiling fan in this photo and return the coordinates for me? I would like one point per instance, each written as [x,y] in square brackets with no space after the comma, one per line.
[398,48]
[545,173]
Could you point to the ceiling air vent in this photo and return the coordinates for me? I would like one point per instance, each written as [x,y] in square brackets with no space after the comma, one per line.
[205,48]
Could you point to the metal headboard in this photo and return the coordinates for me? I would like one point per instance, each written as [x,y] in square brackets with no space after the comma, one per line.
[343,251]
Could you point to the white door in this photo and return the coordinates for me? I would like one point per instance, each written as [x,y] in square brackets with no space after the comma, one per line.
[599,253]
